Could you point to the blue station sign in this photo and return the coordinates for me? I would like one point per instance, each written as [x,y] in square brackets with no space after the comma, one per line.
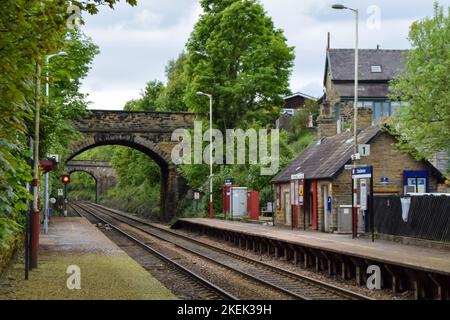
[362,172]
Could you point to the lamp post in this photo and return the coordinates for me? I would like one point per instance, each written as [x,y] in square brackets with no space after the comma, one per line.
[211,209]
[355,117]
[47,94]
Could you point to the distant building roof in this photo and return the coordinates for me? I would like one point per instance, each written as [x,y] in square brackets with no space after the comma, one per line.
[297,94]
[374,64]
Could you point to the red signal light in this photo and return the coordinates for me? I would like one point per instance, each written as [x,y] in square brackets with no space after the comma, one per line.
[66,179]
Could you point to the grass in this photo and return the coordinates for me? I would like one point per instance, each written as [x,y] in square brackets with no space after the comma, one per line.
[103,276]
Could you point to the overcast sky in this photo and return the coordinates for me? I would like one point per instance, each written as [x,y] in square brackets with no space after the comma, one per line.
[137,42]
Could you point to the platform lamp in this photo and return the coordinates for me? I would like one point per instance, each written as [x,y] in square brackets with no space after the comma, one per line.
[355,116]
[47,94]
[211,208]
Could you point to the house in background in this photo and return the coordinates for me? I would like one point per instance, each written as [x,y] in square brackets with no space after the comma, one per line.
[328,186]
[292,104]
[377,68]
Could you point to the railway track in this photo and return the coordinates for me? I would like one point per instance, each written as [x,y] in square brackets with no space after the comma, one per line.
[290,283]
[200,285]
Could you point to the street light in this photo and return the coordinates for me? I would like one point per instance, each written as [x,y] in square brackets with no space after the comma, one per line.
[355,111]
[47,60]
[47,94]
[211,210]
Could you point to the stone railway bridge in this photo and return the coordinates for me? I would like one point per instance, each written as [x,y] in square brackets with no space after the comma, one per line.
[102,172]
[148,132]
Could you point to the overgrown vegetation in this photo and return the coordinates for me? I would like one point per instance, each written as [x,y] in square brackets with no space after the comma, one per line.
[423,125]
[29,31]
[236,54]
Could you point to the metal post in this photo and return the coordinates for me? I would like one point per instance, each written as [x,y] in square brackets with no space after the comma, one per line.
[273,205]
[355,107]
[372,211]
[211,209]
[355,112]
[47,90]
[47,95]
[46,204]
[355,130]
[28,220]
[353,209]
[35,224]
[65,200]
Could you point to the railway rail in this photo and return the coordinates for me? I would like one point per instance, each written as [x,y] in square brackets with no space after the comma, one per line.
[202,286]
[292,284]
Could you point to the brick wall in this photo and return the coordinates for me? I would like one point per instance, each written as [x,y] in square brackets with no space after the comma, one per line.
[387,161]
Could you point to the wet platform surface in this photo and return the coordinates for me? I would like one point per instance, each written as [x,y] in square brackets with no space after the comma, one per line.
[416,257]
[106,271]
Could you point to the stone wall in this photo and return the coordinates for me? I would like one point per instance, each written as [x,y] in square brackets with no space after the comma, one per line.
[148,132]
[387,161]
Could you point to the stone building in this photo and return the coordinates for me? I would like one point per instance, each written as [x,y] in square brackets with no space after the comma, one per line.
[377,68]
[328,186]
[327,195]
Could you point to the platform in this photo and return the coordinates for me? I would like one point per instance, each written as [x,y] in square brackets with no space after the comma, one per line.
[425,271]
[428,259]
[107,272]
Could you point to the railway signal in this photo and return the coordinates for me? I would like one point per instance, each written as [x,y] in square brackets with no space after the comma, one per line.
[65,179]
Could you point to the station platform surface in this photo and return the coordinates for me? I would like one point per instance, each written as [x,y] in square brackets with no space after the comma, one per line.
[106,271]
[416,257]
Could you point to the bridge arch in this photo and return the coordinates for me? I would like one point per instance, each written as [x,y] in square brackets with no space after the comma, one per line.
[71,171]
[148,132]
[101,171]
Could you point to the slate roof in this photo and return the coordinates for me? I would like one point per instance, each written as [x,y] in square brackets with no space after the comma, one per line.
[365,90]
[342,63]
[326,156]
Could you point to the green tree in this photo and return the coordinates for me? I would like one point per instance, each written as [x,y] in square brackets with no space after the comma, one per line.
[172,97]
[237,54]
[423,125]
[29,30]
[148,99]
[66,102]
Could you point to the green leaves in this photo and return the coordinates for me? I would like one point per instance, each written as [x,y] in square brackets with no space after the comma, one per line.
[423,125]
[29,31]
[236,54]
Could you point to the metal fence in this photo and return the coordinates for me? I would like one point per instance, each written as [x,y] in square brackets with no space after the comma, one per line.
[428,217]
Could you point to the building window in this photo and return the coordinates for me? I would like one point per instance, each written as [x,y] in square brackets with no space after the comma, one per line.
[278,195]
[365,104]
[337,111]
[375,69]
[416,181]
[380,111]
[289,111]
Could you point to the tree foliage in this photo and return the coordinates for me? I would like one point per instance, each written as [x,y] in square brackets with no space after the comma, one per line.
[236,54]
[30,30]
[423,125]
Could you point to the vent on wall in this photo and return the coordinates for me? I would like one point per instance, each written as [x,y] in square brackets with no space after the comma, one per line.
[375,69]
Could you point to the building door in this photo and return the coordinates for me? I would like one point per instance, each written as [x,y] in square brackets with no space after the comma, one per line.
[287,209]
[326,212]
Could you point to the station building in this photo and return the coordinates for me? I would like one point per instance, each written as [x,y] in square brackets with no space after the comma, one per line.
[327,188]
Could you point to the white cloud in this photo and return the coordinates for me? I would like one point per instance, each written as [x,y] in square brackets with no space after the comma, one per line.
[136,43]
